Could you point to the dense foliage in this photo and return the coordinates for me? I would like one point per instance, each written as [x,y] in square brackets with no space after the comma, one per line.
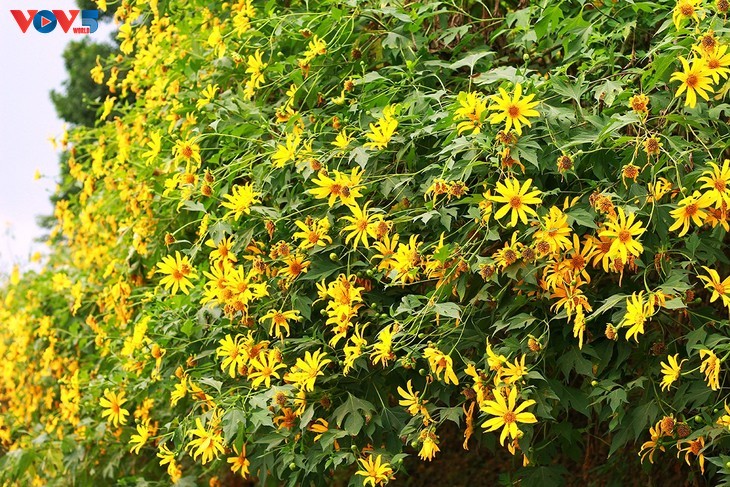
[302,239]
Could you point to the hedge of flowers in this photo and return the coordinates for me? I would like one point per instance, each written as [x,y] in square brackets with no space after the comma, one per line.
[302,237]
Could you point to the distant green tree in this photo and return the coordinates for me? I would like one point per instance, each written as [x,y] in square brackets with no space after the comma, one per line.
[91,5]
[76,103]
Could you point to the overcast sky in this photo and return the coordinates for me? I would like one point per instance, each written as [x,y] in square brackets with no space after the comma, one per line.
[32,66]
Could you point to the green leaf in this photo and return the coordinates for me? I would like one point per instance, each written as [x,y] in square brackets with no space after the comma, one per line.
[231,421]
[215,384]
[582,217]
[450,310]
[470,60]
[353,406]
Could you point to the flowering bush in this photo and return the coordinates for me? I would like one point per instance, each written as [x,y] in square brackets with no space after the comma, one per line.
[310,236]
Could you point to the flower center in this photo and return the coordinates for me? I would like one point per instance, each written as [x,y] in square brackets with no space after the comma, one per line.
[336,189]
[187,152]
[509,417]
[708,42]
[177,275]
[515,202]
[543,247]
[624,236]
[692,80]
[514,111]
[578,262]
[720,185]
[652,146]
[695,447]
[687,10]
[690,210]
[510,256]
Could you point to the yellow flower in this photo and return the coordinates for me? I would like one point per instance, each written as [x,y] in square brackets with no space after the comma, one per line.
[361,225]
[695,447]
[305,372]
[342,140]
[471,110]
[187,149]
[234,353]
[651,445]
[375,471]
[711,368]
[139,440]
[295,266]
[112,402]
[686,9]
[255,68]
[241,200]
[440,362]
[622,230]
[690,210]
[264,367]
[166,456]
[280,320]
[554,231]
[717,62]
[495,361]
[181,389]
[429,447]
[406,261]
[155,145]
[411,401]
[507,414]
[208,95]
[286,152]
[209,442]
[345,187]
[637,312]
[178,272]
[107,107]
[720,288]
[382,350]
[317,47]
[513,111]
[320,426]
[652,146]
[516,200]
[639,103]
[659,189]
[695,80]
[724,420]
[717,182]
[671,370]
[97,72]
[222,252]
[353,348]
[240,463]
[512,372]
[382,131]
[313,233]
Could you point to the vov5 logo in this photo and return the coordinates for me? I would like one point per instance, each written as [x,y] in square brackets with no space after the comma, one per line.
[45,21]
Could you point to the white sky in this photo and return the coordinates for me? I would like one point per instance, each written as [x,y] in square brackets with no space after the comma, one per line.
[32,66]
